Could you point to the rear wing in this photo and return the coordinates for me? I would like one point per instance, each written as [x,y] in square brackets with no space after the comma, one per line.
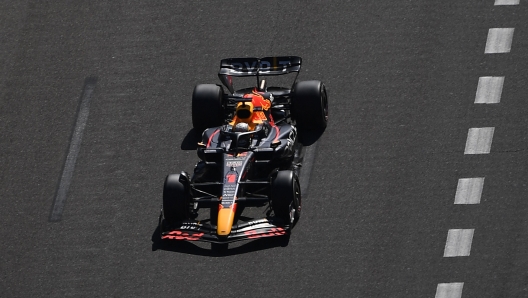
[267,66]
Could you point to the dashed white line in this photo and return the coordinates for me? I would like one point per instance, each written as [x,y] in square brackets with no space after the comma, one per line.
[458,242]
[449,290]
[469,190]
[499,40]
[489,90]
[479,140]
[507,2]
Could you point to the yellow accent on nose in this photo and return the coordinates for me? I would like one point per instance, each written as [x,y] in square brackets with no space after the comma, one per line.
[225,220]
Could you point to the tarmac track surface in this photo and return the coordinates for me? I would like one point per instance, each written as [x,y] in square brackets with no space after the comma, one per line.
[402,77]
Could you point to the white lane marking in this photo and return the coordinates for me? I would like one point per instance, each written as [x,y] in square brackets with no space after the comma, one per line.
[469,190]
[489,90]
[449,290]
[458,242]
[507,2]
[499,40]
[73,152]
[479,140]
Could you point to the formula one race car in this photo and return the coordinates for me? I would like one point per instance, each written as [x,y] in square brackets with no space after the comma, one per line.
[250,155]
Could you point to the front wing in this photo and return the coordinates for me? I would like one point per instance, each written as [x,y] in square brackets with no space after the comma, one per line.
[196,231]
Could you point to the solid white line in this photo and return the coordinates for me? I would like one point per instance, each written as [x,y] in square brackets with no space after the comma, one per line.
[507,2]
[458,242]
[479,140]
[499,40]
[489,90]
[469,190]
[449,290]
[73,152]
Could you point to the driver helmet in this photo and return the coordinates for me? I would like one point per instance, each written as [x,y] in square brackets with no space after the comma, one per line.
[241,127]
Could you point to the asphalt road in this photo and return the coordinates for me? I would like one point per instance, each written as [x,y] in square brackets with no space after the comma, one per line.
[401,76]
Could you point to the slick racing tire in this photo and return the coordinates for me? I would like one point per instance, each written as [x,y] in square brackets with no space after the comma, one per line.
[286,196]
[310,105]
[176,199]
[207,110]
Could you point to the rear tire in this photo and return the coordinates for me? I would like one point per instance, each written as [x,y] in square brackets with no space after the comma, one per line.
[310,105]
[176,199]
[286,196]
[207,110]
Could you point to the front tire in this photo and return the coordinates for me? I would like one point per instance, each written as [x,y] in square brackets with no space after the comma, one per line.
[286,197]
[176,199]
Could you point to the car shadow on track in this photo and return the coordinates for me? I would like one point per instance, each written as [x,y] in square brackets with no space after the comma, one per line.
[193,249]
[309,137]
[191,140]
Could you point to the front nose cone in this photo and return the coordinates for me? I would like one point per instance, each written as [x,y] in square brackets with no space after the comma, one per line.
[225,220]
